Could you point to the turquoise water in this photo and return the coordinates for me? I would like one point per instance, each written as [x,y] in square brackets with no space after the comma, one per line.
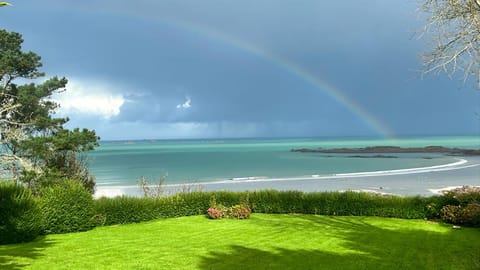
[184,161]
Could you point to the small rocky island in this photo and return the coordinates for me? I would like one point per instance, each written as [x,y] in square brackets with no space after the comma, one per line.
[393,150]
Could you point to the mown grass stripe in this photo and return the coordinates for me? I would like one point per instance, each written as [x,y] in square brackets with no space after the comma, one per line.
[265,241]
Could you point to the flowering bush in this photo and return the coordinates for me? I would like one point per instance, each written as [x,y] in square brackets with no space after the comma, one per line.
[239,211]
[464,215]
[451,213]
[461,206]
[236,211]
[215,213]
[462,196]
[471,215]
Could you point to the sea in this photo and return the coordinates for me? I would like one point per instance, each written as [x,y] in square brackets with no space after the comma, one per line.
[124,163]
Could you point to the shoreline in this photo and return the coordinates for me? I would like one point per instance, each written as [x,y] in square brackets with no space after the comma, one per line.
[423,181]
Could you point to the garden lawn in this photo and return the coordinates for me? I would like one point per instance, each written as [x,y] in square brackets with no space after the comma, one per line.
[261,242]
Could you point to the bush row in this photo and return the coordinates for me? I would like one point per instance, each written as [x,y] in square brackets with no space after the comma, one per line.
[338,204]
[65,207]
[121,210]
[124,209]
[21,219]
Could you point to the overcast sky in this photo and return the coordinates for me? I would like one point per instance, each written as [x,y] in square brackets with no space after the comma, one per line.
[148,69]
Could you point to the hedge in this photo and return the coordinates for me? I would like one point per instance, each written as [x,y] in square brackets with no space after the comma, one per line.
[121,210]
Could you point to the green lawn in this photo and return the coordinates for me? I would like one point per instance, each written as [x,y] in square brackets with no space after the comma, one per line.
[261,242]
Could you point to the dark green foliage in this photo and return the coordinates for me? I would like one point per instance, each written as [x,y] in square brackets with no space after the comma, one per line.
[58,155]
[121,210]
[272,201]
[337,204]
[68,207]
[225,198]
[20,217]
[14,62]
[29,130]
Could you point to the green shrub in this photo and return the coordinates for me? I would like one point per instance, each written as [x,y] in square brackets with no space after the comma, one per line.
[68,207]
[20,217]
[432,209]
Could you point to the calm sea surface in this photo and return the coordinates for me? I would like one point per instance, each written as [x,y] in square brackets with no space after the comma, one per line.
[184,161]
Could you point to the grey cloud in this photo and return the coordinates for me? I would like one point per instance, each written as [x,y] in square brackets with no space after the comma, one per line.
[163,51]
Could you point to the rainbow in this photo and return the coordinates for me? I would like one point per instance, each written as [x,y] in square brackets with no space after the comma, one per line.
[288,66]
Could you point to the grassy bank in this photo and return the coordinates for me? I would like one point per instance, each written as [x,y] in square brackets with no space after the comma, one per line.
[264,241]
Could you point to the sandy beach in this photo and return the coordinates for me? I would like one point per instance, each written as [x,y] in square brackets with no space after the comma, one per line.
[424,181]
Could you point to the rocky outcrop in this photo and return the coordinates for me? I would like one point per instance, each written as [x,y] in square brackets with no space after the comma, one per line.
[393,149]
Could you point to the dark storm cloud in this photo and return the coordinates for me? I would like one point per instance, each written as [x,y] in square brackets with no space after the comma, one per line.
[162,53]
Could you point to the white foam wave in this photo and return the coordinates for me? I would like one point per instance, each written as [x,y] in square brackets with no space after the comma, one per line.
[248,178]
[445,167]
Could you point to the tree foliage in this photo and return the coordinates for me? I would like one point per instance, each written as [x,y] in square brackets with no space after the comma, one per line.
[37,146]
[453,27]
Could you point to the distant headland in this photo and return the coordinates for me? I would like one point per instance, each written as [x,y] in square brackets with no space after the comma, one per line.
[393,149]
